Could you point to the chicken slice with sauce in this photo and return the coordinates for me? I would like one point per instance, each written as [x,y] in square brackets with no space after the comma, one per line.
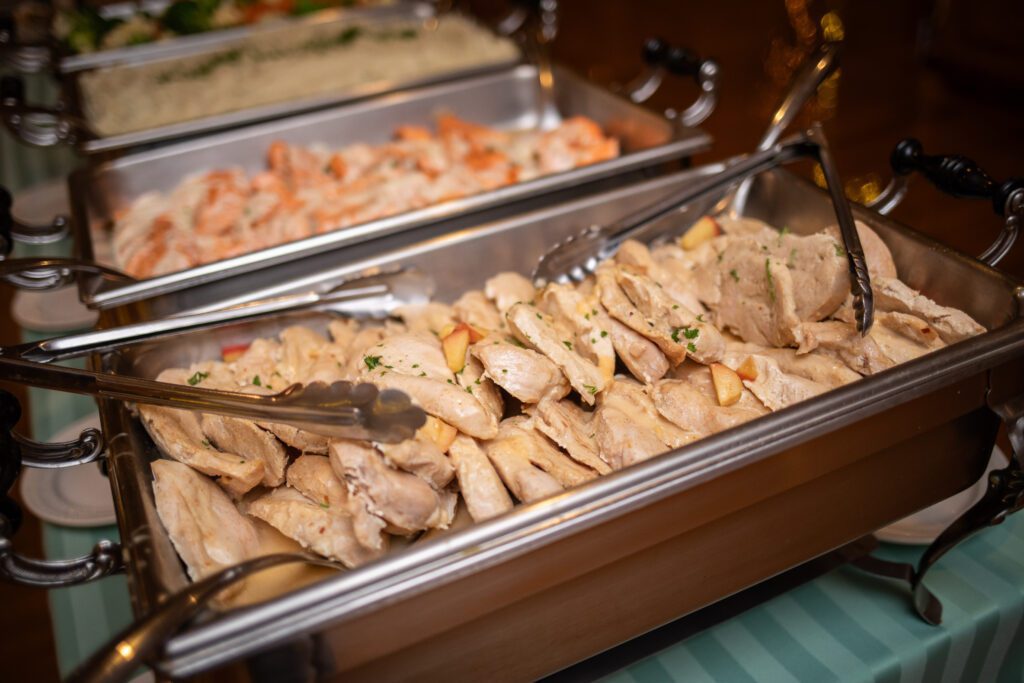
[538,330]
[689,408]
[572,428]
[405,501]
[178,435]
[509,453]
[313,526]
[313,477]
[422,458]
[680,331]
[952,325]
[629,428]
[523,373]
[589,324]
[203,523]
[479,483]
[508,289]
[237,435]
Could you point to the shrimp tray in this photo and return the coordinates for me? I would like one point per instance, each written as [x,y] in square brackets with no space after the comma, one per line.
[504,101]
[559,580]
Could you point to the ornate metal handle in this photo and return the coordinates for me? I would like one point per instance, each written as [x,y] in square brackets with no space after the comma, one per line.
[660,58]
[11,229]
[38,126]
[960,177]
[41,274]
[27,58]
[544,11]
[15,451]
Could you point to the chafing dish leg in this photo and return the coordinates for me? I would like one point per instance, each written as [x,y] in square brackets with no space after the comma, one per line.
[35,125]
[958,176]
[1004,495]
[104,560]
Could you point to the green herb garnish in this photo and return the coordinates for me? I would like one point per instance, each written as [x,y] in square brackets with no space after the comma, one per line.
[371,361]
[734,275]
[770,279]
[568,344]
[256,381]
[197,377]
[590,388]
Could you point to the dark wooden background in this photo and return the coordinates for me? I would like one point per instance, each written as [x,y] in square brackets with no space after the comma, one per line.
[949,74]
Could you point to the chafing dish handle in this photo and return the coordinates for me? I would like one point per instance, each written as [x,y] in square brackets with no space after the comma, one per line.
[660,58]
[11,229]
[27,58]
[36,125]
[960,177]
[16,451]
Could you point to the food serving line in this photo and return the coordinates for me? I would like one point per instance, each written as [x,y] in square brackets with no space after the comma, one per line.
[662,536]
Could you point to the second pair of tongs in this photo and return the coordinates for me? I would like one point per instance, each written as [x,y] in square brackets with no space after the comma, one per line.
[578,257]
[342,409]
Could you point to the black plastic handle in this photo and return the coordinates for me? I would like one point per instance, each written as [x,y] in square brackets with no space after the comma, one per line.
[676,60]
[954,174]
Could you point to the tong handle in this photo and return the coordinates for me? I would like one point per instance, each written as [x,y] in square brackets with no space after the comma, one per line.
[958,176]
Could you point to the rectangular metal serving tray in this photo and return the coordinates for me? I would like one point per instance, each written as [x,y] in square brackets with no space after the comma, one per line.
[559,580]
[507,99]
[92,143]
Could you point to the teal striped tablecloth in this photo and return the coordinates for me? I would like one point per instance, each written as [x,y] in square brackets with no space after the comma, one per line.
[851,626]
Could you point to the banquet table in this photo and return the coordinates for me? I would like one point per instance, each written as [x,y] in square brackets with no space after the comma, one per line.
[842,626]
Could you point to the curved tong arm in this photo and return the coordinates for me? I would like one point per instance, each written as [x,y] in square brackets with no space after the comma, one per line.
[35,125]
[660,58]
[960,177]
[15,451]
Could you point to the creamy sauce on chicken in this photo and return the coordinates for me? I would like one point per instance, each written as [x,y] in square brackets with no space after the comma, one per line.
[661,348]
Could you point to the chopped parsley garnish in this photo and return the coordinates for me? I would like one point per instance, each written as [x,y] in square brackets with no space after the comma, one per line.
[721,255]
[603,333]
[469,390]
[770,279]
[839,249]
[256,381]
[505,370]
[691,347]
[371,361]
[450,382]
[586,316]
[325,506]
[415,365]
[783,233]
[540,317]
[568,344]
[197,377]
[675,306]
[792,257]
[734,275]
[206,442]
[688,333]
[516,342]
[590,389]
[423,374]
[700,318]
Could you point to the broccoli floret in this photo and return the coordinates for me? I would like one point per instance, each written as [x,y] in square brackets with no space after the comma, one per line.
[185,17]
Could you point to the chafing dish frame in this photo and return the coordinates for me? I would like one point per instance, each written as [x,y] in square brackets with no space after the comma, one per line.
[632,550]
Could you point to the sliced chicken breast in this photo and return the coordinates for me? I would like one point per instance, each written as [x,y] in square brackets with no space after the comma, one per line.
[479,482]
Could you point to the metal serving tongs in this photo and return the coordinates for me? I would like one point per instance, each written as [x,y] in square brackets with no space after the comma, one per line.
[343,409]
[577,257]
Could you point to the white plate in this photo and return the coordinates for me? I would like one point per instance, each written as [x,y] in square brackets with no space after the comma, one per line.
[921,528]
[54,311]
[71,496]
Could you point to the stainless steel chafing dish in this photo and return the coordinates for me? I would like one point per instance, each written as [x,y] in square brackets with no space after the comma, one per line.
[69,122]
[559,580]
[511,98]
